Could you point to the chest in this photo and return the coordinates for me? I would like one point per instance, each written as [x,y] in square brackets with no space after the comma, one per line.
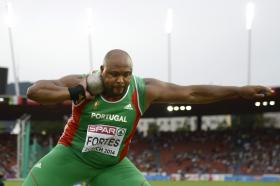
[99,112]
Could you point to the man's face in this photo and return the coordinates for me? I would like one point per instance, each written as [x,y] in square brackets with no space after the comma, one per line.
[116,76]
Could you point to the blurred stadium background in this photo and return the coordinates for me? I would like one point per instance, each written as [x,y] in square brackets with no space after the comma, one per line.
[229,141]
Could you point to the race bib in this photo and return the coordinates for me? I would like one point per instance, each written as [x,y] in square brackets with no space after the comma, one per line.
[104,139]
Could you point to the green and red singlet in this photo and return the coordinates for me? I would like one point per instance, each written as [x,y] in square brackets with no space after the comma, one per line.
[100,131]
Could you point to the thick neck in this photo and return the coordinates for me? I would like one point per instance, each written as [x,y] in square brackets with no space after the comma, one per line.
[110,98]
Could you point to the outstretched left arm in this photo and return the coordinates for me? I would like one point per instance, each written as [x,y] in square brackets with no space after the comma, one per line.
[159,91]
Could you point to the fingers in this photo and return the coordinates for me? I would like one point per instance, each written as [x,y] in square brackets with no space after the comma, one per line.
[264,91]
[94,83]
[84,84]
[272,91]
[255,92]
[268,91]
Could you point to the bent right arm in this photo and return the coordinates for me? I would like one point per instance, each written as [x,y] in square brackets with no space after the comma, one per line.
[53,91]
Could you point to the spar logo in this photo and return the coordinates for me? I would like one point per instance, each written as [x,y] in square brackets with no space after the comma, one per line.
[102,129]
[120,132]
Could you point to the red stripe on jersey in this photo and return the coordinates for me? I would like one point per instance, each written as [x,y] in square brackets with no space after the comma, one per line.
[72,125]
[138,115]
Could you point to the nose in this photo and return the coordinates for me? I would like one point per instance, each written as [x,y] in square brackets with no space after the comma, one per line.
[120,79]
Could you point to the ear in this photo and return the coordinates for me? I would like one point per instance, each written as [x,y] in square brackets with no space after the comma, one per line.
[101,68]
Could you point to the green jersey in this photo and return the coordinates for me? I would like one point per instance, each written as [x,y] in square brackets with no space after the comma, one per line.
[100,131]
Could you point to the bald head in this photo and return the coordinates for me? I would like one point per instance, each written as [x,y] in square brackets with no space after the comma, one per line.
[116,73]
[117,57]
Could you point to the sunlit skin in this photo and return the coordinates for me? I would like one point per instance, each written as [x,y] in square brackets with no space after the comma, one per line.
[116,73]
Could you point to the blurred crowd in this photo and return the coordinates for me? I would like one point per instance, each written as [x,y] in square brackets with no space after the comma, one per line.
[8,155]
[39,146]
[251,152]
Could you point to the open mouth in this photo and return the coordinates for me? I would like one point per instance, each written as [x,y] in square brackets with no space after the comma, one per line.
[119,90]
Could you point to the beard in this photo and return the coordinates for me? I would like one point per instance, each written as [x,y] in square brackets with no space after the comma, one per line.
[115,91]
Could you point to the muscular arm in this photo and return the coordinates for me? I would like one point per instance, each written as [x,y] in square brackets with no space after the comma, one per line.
[159,91]
[53,91]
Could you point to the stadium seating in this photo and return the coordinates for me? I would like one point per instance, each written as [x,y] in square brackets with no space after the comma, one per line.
[251,152]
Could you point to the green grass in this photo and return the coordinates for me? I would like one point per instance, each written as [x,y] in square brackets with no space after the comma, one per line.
[13,183]
[213,183]
[185,183]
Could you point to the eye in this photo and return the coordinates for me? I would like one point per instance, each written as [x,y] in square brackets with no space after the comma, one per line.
[127,74]
[114,74]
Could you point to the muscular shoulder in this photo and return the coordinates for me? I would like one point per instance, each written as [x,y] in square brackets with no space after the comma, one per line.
[151,82]
[153,89]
